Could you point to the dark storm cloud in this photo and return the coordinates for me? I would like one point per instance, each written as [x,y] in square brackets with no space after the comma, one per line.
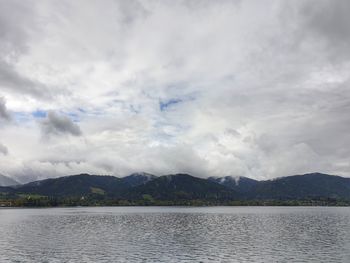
[329,23]
[13,81]
[17,21]
[14,15]
[4,114]
[329,18]
[56,124]
[3,149]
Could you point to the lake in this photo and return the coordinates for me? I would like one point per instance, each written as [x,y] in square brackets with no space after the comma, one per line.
[175,234]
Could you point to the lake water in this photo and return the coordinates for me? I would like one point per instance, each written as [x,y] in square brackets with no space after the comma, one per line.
[175,234]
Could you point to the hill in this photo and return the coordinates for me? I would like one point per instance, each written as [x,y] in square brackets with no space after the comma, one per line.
[313,185]
[76,185]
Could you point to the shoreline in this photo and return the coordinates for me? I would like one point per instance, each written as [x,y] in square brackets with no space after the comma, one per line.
[174,206]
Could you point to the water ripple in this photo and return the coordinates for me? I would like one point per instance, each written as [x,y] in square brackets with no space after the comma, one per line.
[163,234]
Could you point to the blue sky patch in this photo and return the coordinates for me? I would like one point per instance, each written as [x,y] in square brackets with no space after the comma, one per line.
[39,114]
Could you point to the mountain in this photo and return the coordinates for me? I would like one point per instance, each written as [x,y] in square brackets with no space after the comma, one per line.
[7,181]
[239,184]
[181,187]
[313,185]
[76,185]
[137,179]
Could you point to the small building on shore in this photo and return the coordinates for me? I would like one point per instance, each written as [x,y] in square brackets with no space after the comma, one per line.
[5,203]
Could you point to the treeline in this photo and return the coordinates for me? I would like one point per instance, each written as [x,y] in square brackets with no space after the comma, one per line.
[43,201]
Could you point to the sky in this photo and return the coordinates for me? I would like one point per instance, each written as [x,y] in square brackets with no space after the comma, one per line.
[211,88]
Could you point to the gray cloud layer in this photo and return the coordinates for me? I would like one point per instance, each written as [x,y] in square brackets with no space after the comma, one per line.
[212,88]
[55,124]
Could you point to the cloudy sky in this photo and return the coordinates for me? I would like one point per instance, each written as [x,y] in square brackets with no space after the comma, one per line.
[249,88]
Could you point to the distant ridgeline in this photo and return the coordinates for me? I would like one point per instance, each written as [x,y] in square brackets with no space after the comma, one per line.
[178,189]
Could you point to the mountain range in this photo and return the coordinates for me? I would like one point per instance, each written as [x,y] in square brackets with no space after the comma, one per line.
[180,188]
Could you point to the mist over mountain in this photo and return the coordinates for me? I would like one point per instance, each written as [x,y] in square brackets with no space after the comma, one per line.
[181,186]
[239,183]
[7,181]
[137,179]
